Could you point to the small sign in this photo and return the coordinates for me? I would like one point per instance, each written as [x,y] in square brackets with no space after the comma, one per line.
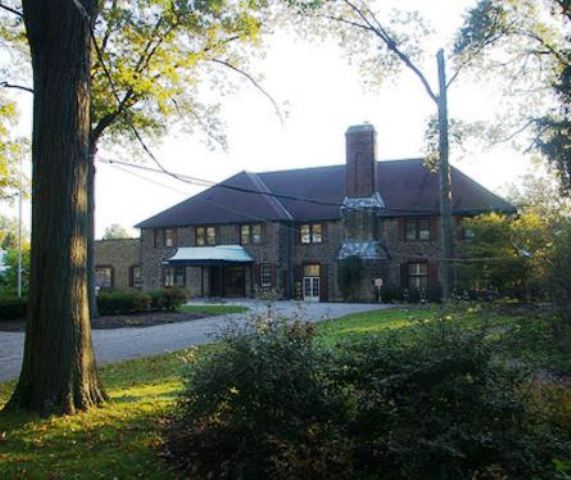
[378,282]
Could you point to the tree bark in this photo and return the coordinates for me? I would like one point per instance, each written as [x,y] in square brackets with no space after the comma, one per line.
[94,311]
[446,236]
[58,372]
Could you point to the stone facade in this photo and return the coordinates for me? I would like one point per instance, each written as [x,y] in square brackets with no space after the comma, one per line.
[281,247]
[121,255]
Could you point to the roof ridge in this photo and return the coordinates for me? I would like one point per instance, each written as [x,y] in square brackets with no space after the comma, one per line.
[337,165]
[276,204]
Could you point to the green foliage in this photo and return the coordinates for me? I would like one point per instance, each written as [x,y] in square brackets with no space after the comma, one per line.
[117,302]
[115,231]
[10,151]
[122,302]
[436,403]
[439,406]
[259,407]
[12,308]
[508,255]
[174,297]
[9,275]
[350,274]
[524,48]
[159,55]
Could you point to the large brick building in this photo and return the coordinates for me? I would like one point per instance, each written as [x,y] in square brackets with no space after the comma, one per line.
[289,231]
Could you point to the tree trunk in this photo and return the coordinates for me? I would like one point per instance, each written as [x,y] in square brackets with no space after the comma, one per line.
[94,311]
[446,237]
[58,372]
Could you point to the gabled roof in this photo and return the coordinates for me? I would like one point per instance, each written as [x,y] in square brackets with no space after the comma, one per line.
[406,186]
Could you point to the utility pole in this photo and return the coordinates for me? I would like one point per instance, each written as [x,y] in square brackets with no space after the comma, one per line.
[20,194]
[446,233]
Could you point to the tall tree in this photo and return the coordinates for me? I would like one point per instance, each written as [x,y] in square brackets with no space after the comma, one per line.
[58,372]
[153,62]
[152,59]
[524,48]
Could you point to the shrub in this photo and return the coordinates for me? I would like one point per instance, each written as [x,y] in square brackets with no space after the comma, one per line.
[260,406]
[439,406]
[123,302]
[158,299]
[12,308]
[270,403]
[174,297]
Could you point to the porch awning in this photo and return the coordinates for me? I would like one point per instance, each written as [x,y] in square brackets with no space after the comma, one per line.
[220,254]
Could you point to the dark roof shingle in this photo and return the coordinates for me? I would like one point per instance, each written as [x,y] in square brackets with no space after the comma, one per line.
[406,186]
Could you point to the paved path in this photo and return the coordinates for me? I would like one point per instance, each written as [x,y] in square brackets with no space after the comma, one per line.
[124,343]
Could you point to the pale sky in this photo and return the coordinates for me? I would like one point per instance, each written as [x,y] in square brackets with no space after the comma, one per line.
[324,96]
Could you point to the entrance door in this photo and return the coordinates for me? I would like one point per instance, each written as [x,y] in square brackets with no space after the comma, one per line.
[234,281]
[311,289]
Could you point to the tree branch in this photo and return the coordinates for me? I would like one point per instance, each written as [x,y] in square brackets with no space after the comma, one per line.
[254,82]
[18,87]
[392,45]
[12,10]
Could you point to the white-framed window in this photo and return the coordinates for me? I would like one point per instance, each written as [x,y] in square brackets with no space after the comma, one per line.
[251,234]
[205,236]
[165,237]
[417,229]
[311,233]
[418,275]
[174,276]
[266,275]
[104,276]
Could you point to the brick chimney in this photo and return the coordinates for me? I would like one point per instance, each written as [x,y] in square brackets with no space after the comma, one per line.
[360,171]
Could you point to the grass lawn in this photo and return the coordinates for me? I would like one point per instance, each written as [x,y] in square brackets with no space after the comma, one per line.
[213,310]
[118,440]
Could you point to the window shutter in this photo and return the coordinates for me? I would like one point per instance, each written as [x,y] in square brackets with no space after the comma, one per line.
[404,275]
[298,273]
[432,274]
[257,277]
[323,284]
[434,228]
[297,234]
[274,275]
[401,227]
[264,233]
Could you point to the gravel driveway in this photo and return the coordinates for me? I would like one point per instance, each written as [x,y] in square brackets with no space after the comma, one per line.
[125,343]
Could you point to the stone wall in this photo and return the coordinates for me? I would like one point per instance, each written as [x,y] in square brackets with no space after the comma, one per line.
[121,255]
[277,240]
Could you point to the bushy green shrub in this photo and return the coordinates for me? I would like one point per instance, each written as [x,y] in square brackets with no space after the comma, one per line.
[169,298]
[441,407]
[123,302]
[12,308]
[118,302]
[260,406]
[174,297]
[270,403]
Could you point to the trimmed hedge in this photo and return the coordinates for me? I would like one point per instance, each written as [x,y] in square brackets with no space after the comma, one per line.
[12,308]
[120,302]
